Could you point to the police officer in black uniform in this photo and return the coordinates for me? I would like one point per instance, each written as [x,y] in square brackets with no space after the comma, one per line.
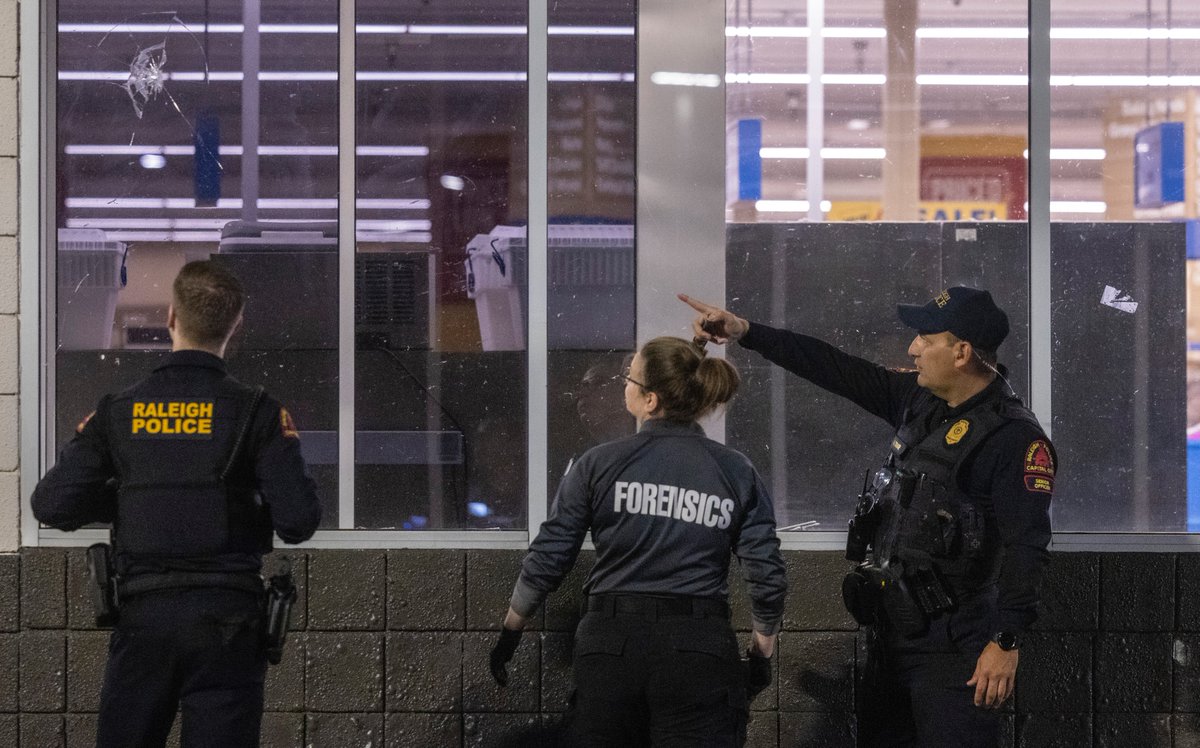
[195,470]
[952,531]
[656,661]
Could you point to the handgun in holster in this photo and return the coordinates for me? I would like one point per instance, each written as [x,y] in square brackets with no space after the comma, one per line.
[102,584]
[281,594]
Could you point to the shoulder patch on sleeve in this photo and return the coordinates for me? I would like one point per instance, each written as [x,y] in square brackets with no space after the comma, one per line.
[84,422]
[287,425]
[1039,467]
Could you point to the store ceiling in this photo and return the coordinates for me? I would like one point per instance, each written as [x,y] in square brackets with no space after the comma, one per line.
[406,113]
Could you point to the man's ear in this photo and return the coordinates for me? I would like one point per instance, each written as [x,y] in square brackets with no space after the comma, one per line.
[963,353]
[172,321]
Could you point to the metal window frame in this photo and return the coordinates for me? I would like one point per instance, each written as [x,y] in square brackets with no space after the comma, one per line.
[37,292]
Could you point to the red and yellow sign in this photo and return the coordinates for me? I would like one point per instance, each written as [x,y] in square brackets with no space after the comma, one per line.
[928,211]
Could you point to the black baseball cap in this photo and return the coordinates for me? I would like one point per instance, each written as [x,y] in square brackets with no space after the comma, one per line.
[969,313]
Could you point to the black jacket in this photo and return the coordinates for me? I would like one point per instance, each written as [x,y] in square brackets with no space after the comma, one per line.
[1007,475]
[150,458]
[666,508]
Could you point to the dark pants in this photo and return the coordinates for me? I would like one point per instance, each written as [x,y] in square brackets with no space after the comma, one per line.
[914,691]
[648,676]
[198,649]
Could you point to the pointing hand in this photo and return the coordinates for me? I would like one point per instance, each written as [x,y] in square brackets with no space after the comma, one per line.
[714,323]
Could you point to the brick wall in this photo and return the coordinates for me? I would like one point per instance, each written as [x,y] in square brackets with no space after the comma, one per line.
[390,649]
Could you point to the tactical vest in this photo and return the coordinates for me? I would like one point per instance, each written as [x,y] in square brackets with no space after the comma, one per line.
[927,521]
[185,488]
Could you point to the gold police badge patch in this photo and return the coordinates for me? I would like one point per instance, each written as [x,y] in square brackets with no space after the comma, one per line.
[957,431]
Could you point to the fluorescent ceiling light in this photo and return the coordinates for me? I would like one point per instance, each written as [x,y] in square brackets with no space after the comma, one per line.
[802,79]
[591,31]
[236,150]
[464,29]
[1077,206]
[802,32]
[787,206]
[699,80]
[853,79]
[589,77]
[214,237]
[1056,154]
[414,75]
[151,28]
[147,223]
[160,224]
[782,32]
[984,32]
[392,204]
[1138,81]
[152,161]
[828,153]
[331,28]
[1124,33]
[1075,154]
[391,150]
[117,76]
[393,29]
[966,32]
[972,80]
[187,203]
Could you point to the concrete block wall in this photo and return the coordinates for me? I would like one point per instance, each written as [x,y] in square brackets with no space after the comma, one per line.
[389,648]
[9,433]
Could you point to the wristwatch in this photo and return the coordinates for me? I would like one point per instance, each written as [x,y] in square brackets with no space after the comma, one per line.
[1007,640]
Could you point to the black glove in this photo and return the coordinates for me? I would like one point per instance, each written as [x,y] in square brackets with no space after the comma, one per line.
[758,673]
[505,647]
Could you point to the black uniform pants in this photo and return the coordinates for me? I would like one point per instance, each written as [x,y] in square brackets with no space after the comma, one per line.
[655,672]
[914,691]
[199,650]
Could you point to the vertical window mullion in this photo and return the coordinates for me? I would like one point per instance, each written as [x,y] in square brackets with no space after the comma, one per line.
[1040,334]
[347,218]
[536,241]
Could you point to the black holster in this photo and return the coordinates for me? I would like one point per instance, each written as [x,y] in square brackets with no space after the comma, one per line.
[862,592]
[281,594]
[102,584]
[916,594]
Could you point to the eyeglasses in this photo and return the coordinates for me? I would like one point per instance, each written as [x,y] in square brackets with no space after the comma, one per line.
[624,375]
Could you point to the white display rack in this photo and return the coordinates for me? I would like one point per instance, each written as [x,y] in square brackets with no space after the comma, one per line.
[89,277]
[591,270]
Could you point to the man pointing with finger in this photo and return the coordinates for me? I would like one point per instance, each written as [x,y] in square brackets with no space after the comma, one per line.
[951,533]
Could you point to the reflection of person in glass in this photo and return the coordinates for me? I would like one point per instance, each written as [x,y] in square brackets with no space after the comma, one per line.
[599,403]
[956,522]
[195,470]
[655,656]
[593,412]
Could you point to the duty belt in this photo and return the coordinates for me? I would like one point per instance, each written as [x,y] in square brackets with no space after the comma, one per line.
[651,605]
[175,580]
